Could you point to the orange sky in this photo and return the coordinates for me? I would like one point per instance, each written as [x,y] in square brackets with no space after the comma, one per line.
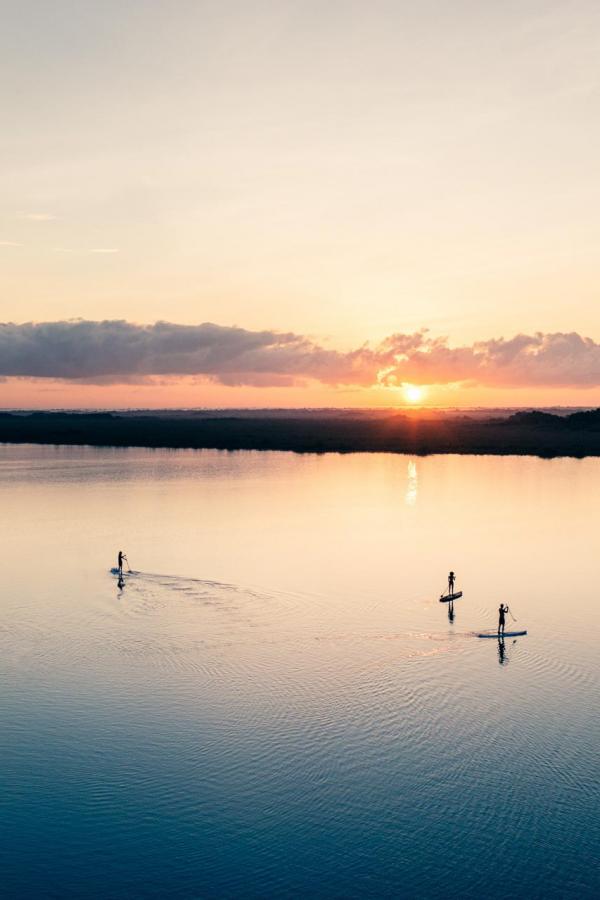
[344,171]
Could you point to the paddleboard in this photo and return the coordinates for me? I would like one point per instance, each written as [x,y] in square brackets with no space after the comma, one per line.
[499,634]
[115,571]
[448,598]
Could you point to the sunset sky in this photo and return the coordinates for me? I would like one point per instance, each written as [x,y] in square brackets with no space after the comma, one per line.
[322,203]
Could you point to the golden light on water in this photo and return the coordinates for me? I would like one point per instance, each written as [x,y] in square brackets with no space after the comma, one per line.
[413,393]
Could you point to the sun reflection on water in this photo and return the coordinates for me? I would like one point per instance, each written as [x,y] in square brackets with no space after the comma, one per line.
[412,486]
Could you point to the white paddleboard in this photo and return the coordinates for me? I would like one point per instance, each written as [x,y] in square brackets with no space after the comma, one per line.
[500,634]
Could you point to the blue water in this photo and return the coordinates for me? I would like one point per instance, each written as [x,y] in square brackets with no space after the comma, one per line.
[275,703]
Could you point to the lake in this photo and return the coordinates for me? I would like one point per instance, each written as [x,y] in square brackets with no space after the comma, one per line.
[276,704]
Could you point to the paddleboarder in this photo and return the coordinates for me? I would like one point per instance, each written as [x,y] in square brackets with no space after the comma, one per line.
[502,610]
[121,557]
[451,580]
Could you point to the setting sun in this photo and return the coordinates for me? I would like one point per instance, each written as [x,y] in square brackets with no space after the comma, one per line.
[413,393]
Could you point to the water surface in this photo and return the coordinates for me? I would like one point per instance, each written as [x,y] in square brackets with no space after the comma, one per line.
[276,704]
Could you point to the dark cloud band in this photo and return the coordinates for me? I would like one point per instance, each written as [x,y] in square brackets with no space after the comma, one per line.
[118,351]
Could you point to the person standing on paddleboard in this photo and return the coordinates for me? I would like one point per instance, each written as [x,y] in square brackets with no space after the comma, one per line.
[121,557]
[502,610]
[451,580]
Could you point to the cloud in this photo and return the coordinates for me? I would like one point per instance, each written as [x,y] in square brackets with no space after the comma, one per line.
[557,359]
[92,250]
[10,244]
[36,216]
[117,351]
[112,352]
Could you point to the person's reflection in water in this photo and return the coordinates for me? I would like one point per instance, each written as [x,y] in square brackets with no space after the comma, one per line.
[502,657]
[121,583]
[451,611]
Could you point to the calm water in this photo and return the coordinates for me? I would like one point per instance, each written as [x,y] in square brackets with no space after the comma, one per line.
[276,704]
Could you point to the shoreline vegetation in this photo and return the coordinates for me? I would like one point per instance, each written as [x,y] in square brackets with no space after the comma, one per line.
[422,432]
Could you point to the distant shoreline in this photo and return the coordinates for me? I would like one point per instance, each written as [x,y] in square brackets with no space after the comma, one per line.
[526,433]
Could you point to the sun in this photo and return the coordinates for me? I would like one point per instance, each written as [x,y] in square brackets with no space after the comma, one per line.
[413,393]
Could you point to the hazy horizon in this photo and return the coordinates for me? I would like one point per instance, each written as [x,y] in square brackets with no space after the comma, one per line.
[411,410]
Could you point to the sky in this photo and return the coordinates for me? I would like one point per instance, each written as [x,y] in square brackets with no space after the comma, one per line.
[321,203]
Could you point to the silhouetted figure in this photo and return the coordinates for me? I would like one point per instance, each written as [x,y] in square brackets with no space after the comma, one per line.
[502,610]
[451,580]
[121,558]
